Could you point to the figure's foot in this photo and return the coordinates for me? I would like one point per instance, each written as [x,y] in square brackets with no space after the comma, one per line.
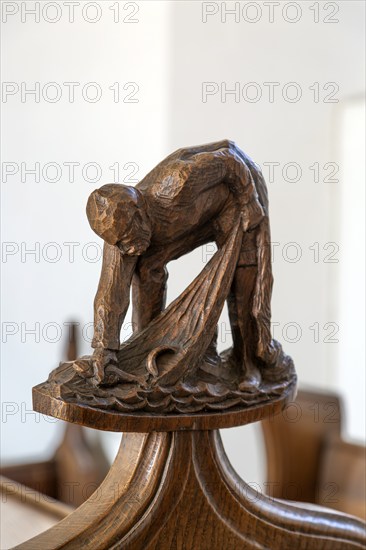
[210,364]
[84,366]
[251,380]
[243,370]
[272,355]
[93,367]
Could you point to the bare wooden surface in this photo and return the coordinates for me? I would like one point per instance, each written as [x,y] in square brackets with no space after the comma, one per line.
[177,490]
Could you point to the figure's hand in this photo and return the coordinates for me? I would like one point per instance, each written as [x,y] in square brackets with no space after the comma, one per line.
[101,358]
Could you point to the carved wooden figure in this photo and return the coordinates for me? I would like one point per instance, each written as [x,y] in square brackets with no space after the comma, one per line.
[176,489]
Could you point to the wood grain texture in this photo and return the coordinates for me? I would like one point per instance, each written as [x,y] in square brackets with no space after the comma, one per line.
[47,403]
[196,195]
[173,487]
[177,490]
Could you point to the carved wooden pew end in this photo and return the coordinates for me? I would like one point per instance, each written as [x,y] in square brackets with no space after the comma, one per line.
[171,485]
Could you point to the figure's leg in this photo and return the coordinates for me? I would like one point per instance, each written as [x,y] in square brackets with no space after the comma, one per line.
[148,290]
[149,282]
[243,327]
[240,299]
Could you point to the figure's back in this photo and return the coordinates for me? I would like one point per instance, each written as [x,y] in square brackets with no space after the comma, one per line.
[189,182]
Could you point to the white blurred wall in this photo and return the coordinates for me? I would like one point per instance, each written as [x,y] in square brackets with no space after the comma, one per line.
[36,289]
[227,52]
[170,52]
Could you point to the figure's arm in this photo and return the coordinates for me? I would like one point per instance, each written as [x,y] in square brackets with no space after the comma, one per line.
[113,297]
[110,305]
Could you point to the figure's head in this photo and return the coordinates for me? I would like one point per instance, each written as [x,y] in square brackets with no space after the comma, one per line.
[117,213]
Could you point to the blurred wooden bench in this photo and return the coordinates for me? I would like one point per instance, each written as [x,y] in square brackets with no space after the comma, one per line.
[75,470]
[26,512]
[307,460]
[71,475]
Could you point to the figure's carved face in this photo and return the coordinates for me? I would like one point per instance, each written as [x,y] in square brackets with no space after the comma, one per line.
[117,213]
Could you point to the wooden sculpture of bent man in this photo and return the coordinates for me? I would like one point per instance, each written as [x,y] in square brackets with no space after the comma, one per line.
[192,197]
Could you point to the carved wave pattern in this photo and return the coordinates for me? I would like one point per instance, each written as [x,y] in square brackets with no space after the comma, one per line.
[210,389]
